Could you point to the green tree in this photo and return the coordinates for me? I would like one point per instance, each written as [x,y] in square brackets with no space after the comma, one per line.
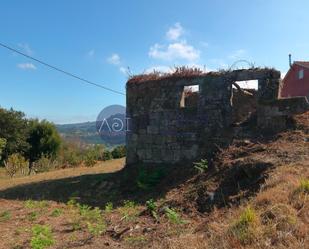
[107,155]
[14,129]
[2,146]
[44,139]
[119,151]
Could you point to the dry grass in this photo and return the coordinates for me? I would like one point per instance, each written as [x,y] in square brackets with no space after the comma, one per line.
[101,167]
[268,208]
[185,72]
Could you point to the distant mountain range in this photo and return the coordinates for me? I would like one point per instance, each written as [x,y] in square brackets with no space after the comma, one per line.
[87,133]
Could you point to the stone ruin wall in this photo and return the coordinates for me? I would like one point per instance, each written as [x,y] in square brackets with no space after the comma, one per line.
[162,131]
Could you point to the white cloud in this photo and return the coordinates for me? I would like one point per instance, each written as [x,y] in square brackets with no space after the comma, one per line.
[174,51]
[123,70]
[114,59]
[26,66]
[91,53]
[175,32]
[26,48]
[237,54]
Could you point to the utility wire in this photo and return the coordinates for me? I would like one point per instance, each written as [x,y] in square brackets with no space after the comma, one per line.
[60,70]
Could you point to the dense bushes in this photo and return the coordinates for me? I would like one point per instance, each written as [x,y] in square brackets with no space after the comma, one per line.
[29,145]
[44,163]
[74,154]
[2,146]
[14,129]
[119,151]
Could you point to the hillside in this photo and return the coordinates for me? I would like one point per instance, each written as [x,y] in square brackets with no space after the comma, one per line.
[253,194]
[87,133]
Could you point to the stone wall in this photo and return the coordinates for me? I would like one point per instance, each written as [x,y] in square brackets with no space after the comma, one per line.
[162,129]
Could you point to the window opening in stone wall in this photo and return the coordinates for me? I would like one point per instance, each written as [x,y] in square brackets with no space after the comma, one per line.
[189,97]
[244,100]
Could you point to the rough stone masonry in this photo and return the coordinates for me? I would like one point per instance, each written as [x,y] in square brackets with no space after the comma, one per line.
[167,127]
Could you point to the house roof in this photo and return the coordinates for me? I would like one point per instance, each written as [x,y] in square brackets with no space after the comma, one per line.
[302,63]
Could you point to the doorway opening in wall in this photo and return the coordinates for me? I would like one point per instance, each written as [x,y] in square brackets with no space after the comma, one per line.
[189,96]
[244,100]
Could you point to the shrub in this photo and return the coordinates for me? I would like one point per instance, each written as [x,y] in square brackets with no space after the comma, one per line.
[98,151]
[119,151]
[201,166]
[90,160]
[41,237]
[73,159]
[70,154]
[16,163]
[107,155]
[43,164]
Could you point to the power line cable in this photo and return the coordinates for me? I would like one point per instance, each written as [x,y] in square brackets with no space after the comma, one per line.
[61,70]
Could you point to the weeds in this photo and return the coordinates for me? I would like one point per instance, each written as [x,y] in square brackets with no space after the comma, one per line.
[152,208]
[32,216]
[201,166]
[5,215]
[56,212]
[71,203]
[108,207]
[31,204]
[42,237]
[129,204]
[87,217]
[173,216]
[129,210]
[244,228]
[96,228]
[304,186]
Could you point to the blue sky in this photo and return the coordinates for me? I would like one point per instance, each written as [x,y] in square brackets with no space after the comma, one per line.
[99,40]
